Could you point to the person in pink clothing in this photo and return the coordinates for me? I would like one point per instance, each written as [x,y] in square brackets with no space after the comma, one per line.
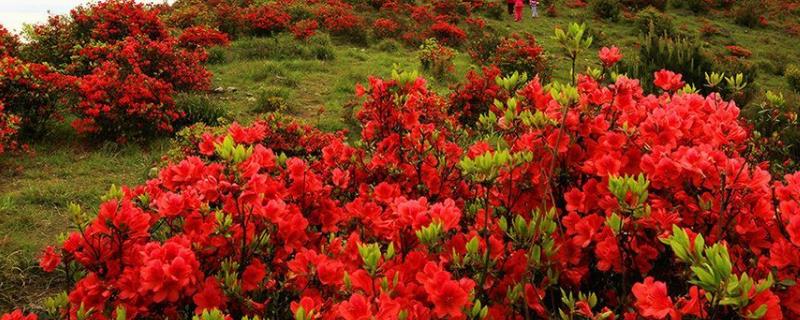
[518,7]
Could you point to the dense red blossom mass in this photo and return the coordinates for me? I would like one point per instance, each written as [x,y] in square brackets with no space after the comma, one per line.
[505,199]
[395,224]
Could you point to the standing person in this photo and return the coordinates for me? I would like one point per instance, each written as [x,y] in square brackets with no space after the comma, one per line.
[534,11]
[510,4]
[518,7]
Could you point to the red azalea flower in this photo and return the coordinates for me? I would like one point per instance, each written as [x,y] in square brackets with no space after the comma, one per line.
[50,259]
[449,299]
[210,296]
[253,275]
[769,299]
[793,228]
[18,315]
[609,56]
[652,299]
[668,80]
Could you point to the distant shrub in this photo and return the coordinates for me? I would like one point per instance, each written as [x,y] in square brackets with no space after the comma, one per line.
[267,20]
[696,6]
[32,92]
[217,55]
[385,28]
[639,4]
[114,20]
[652,20]
[482,45]
[9,43]
[448,34]
[748,12]
[521,52]
[606,9]
[304,29]
[8,130]
[680,55]
[436,59]
[792,75]
[203,37]
[388,45]
[119,106]
[198,108]
[272,99]
[495,10]
[739,52]
[321,47]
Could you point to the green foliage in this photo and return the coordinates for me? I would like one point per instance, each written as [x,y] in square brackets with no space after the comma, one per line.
[436,59]
[712,271]
[389,45]
[638,4]
[792,75]
[747,13]
[217,55]
[318,47]
[271,99]
[681,55]
[606,9]
[696,6]
[650,20]
[199,108]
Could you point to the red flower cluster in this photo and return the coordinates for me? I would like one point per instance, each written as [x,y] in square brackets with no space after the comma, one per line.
[739,52]
[577,200]
[120,105]
[30,91]
[668,80]
[304,29]
[120,64]
[448,34]
[267,19]
[203,37]
[521,53]
[609,56]
[8,42]
[114,20]
[385,28]
[8,130]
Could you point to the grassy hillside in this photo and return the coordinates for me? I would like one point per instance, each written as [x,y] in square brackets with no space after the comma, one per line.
[312,80]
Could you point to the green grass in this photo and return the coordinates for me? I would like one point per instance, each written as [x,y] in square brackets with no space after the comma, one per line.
[315,80]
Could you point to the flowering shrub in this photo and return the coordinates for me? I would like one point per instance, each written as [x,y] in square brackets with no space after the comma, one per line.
[304,29]
[739,52]
[267,19]
[30,91]
[9,43]
[436,58]
[448,34]
[590,201]
[476,95]
[8,130]
[385,28]
[520,52]
[114,20]
[115,104]
[203,37]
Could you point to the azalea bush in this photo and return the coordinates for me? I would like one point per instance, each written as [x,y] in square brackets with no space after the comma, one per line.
[436,58]
[32,92]
[203,37]
[546,200]
[119,105]
[521,52]
[8,130]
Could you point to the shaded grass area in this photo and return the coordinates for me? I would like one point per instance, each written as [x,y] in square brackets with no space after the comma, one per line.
[311,79]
